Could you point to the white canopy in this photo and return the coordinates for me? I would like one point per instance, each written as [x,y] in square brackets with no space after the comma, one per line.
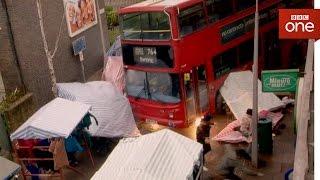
[237,92]
[160,155]
[111,108]
[58,118]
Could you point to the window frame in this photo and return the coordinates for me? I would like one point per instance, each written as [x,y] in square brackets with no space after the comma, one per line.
[141,25]
[220,19]
[220,58]
[198,29]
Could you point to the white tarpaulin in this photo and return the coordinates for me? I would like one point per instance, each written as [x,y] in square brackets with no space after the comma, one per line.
[109,106]
[58,118]
[237,92]
[161,155]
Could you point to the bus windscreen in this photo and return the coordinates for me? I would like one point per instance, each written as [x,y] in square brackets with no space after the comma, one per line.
[152,25]
[160,87]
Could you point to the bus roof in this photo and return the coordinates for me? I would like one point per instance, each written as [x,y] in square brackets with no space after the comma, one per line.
[157,5]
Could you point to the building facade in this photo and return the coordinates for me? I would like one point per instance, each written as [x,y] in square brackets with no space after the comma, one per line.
[117,4]
[23,58]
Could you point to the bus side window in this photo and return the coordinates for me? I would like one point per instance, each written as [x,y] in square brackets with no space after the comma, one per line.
[218,9]
[245,56]
[191,19]
[225,62]
[244,4]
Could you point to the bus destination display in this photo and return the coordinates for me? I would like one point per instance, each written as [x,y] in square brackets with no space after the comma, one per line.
[145,55]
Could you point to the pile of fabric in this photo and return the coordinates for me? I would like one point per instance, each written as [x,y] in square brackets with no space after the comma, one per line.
[231,135]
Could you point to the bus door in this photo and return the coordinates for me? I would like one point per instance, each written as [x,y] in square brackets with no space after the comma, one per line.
[190,99]
[202,90]
[197,100]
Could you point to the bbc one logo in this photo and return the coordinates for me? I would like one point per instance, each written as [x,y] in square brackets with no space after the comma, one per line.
[299,24]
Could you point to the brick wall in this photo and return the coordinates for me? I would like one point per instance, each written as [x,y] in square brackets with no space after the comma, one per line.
[30,52]
[8,62]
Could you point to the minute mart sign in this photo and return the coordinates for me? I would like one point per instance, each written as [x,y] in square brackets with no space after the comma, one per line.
[280,80]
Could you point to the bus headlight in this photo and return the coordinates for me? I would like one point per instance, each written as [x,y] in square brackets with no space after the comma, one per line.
[171,116]
[197,122]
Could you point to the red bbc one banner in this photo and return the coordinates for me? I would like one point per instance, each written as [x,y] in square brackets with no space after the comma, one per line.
[299,23]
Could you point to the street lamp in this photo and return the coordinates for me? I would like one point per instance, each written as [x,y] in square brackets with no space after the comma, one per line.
[254,154]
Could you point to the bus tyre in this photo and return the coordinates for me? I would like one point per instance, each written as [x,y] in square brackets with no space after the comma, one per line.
[219,104]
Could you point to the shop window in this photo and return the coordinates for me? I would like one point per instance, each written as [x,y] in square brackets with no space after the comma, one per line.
[218,9]
[246,51]
[191,19]
[225,62]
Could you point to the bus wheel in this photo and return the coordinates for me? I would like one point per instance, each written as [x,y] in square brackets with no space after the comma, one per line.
[219,104]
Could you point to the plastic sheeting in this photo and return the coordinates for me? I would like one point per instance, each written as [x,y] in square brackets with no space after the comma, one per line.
[237,92]
[58,118]
[160,155]
[109,106]
[115,49]
[114,72]
[113,69]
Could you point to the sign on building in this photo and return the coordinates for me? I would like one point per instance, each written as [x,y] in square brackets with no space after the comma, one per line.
[80,15]
[280,80]
[79,45]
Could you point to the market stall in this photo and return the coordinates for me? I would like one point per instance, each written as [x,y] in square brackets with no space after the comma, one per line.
[160,155]
[111,108]
[8,169]
[39,144]
[237,93]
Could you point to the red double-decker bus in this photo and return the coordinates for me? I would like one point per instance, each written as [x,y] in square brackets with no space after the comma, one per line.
[177,53]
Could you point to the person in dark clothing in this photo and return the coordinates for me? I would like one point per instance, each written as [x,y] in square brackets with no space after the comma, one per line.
[203,132]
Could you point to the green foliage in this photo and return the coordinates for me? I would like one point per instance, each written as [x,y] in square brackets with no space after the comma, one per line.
[113,34]
[9,99]
[112,17]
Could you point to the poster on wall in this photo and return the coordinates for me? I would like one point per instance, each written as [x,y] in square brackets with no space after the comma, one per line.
[80,15]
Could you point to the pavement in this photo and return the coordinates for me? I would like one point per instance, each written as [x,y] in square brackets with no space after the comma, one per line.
[275,167]
[276,164]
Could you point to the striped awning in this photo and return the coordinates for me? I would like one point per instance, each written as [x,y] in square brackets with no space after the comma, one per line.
[58,118]
[160,155]
[111,108]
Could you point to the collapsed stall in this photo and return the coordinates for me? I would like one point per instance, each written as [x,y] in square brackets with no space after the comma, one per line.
[160,155]
[111,108]
[41,143]
[237,93]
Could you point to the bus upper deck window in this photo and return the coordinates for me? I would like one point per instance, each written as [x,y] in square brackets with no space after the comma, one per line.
[218,9]
[153,25]
[244,4]
[131,26]
[191,19]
